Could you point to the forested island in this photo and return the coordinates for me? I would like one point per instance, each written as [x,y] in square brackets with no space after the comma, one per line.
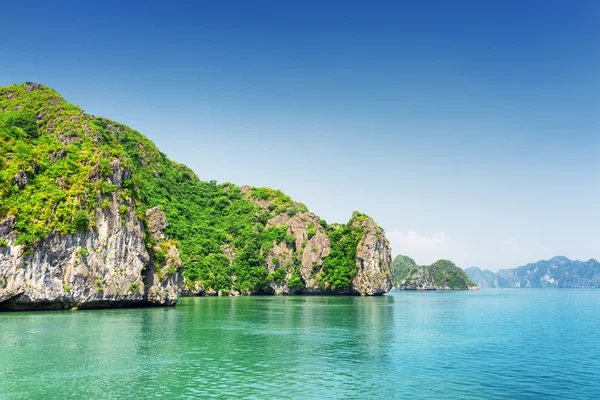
[441,275]
[94,215]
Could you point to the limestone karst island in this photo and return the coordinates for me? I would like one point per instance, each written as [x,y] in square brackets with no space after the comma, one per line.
[94,215]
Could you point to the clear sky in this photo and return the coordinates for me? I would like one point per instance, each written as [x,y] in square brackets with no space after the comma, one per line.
[469,130]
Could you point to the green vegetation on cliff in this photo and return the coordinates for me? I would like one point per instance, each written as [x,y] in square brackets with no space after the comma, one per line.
[46,160]
[442,274]
[402,264]
[57,168]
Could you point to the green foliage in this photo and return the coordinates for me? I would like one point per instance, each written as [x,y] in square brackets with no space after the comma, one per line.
[134,288]
[290,240]
[340,266]
[160,256]
[296,281]
[278,275]
[24,120]
[60,192]
[3,243]
[262,193]
[107,188]
[279,202]
[81,220]
[25,239]
[444,272]
[273,235]
[203,216]
[441,274]
[62,158]
[402,264]
[66,288]
[311,232]
[105,170]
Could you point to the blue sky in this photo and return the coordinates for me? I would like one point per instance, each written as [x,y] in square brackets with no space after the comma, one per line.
[469,130]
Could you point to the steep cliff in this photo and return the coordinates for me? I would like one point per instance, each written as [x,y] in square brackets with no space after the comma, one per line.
[441,275]
[312,257]
[94,215]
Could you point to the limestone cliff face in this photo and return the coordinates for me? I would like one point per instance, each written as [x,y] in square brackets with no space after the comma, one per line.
[106,266]
[79,226]
[373,261]
[163,279]
[306,255]
[419,279]
[312,246]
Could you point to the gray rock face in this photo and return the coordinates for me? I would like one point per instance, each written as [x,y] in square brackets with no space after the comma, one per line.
[106,266]
[7,225]
[421,280]
[21,179]
[373,257]
[163,278]
[307,253]
[32,86]
[373,261]
[157,221]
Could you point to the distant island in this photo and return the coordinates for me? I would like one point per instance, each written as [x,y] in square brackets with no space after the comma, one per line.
[558,272]
[441,275]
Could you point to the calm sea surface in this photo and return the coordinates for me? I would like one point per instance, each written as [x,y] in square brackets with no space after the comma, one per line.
[490,344]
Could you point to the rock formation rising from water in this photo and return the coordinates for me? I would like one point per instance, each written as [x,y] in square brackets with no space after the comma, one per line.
[94,215]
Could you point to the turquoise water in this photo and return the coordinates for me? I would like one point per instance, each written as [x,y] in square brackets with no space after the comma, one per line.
[490,344]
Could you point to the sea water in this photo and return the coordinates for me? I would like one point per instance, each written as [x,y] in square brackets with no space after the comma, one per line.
[488,344]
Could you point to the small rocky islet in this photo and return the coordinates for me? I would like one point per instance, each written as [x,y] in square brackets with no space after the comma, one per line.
[441,275]
[93,215]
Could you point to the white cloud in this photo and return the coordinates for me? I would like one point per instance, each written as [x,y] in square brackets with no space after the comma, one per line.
[484,251]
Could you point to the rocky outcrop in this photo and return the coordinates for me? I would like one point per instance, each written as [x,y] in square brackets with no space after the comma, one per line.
[441,275]
[74,230]
[157,221]
[21,179]
[32,86]
[106,266]
[306,255]
[420,279]
[163,279]
[373,261]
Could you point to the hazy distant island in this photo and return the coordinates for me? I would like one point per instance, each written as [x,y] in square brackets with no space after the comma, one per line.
[94,215]
[558,272]
[441,275]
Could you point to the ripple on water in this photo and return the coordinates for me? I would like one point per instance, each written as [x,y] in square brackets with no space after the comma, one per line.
[489,344]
